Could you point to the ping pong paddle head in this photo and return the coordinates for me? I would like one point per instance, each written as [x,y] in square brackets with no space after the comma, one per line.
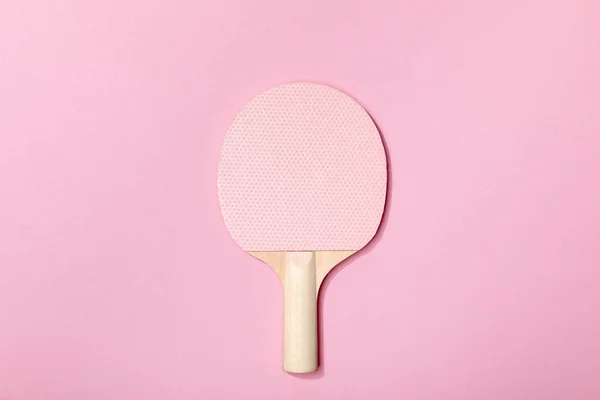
[302,184]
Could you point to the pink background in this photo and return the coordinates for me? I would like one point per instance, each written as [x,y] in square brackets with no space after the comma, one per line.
[118,279]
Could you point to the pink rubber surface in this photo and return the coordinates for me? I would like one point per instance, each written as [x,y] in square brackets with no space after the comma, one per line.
[302,168]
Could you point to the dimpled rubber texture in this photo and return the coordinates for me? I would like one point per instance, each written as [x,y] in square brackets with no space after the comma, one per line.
[302,168]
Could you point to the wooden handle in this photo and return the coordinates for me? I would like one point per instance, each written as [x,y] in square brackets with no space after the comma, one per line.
[301,273]
[300,349]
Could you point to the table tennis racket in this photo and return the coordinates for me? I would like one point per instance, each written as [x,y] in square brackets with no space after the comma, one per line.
[302,184]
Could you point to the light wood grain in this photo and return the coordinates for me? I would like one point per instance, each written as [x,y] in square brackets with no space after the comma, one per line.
[301,274]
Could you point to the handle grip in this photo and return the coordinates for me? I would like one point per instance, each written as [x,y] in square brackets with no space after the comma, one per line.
[300,348]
